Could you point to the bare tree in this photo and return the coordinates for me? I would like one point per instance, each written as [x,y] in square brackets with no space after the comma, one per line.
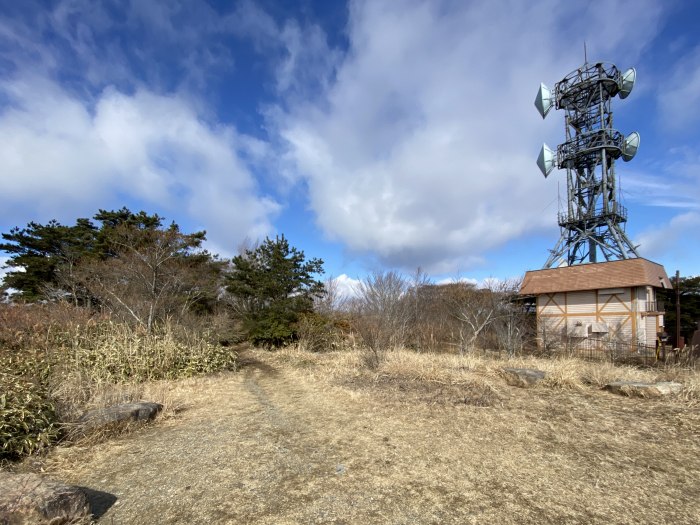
[382,313]
[474,308]
[332,301]
[424,312]
[510,325]
[152,274]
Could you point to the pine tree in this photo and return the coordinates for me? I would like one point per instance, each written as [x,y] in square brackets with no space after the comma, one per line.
[273,285]
[38,251]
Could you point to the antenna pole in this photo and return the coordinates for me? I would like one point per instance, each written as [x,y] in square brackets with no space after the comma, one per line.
[678,309]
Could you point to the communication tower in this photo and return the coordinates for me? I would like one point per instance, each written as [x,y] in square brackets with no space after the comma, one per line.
[594,220]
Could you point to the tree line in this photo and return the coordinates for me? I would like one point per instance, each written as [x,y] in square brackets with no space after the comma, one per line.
[142,271]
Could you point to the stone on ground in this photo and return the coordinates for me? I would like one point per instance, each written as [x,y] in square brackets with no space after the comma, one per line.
[30,499]
[523,377]
[123,413]
[640,389]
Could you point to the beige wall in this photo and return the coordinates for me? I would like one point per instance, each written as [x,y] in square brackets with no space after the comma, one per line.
[587,314]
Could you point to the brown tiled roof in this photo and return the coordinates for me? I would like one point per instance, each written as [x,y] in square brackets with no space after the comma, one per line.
[596,276]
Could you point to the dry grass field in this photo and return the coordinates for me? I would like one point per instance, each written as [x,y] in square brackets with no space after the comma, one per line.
[295,437]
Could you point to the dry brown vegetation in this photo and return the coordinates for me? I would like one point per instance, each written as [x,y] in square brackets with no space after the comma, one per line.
[299,437]
[58,361]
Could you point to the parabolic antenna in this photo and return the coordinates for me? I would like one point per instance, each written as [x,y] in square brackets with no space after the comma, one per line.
[544,100]
[627,82]
[546,160]
[630,146]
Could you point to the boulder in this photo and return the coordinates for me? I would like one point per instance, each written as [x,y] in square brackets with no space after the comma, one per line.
[123,413]
[641,389]
[31,499]
[522,377]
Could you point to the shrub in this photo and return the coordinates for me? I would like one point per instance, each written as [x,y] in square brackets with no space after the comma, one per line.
[56,361]
[27,418]
[320,333]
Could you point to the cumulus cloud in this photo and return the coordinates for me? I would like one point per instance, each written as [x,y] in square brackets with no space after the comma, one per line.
[677,238]
[111,112]
[63,157]
[346,286]
[416,143]
[421,149]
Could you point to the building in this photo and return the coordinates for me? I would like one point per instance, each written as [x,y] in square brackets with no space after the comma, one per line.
[614,301]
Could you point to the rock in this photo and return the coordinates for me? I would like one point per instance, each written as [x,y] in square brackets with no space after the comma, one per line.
[119,414]
[31,499]
[640,389]
[523,377]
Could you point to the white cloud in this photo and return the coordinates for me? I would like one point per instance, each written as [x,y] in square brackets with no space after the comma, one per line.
[677,238]
[679,95]
[453,280]
[421,149]
[347,286]
[64,158]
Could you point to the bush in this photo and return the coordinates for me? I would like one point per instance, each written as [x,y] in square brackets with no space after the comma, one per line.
[56,361]
[27,418]
[320,333]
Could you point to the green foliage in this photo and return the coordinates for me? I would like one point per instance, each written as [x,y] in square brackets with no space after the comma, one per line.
[690,306]
[27,417]
[44,257]
[131,265]
[272,285]
[40,249]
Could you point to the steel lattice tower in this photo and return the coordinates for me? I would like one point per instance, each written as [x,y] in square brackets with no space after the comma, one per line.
[594,220]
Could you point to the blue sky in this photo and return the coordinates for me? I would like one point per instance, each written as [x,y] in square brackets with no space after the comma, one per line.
[373,134]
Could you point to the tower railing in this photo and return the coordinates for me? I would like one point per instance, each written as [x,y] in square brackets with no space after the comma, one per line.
[616,214]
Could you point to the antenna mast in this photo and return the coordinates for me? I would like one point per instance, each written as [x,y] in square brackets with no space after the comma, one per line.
[593,222]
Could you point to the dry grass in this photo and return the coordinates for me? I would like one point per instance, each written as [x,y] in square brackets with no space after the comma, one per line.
[57,361]
[296,437]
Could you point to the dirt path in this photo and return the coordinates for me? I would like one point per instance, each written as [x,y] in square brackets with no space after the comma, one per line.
[277,445]
[258,446]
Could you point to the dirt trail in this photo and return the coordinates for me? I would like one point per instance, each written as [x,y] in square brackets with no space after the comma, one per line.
[276,445]
[257,446]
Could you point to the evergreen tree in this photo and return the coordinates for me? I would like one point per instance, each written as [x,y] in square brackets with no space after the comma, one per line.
[37,252]
[690,306]
[57,262]
[273,284]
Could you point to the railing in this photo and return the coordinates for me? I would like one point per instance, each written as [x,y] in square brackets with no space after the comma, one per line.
[654,306]
[617,212]
[612,351]
[570,153]
[620,352]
